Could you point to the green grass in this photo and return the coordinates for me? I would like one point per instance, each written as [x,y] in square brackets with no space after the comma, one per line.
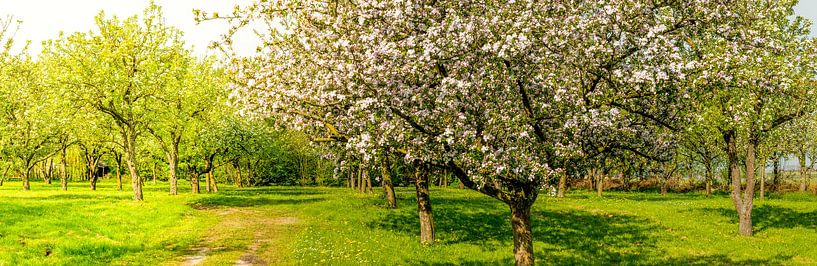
[334,226]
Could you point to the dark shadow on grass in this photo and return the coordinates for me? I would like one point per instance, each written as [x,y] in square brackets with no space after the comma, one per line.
[101,196]
[562,237]
[216,200]
[659,197]
[770,216]
[571,237]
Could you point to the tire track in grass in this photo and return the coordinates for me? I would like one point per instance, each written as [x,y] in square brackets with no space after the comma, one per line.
[243,237]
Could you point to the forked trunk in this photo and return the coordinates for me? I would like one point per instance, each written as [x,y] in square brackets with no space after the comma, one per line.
[424,206]
[743,204]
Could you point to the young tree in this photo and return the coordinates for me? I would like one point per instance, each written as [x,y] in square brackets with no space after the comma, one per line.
[193,91]
[28,135]
[756,74]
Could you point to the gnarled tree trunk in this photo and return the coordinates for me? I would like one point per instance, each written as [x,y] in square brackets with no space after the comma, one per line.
[522,232]
[424,206]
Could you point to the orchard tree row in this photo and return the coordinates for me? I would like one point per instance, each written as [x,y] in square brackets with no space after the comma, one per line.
[507,95]
[127,98]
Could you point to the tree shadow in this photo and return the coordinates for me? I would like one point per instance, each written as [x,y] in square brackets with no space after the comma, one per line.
[562,237]
[693,196]
[215,201]
[770,216]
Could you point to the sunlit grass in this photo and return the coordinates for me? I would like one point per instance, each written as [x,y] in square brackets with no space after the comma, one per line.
[81,227]
[335,226]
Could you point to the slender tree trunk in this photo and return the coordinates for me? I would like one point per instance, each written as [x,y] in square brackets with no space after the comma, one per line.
[776,173]
[763,182]
[424,206]
[238,181]
[118,160]
[353,178]
[368,182]
[522,233]
[709,176]
[63,172]
[213,182]
[360,185]
[153,173]
[803,171]
[130,159]
[207,182]
[388,187]
[92,172]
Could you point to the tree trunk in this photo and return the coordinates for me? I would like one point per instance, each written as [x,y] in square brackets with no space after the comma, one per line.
[763,182]
[93,182]
[803,171]
[238,181]
[153,173]
[353,178]
[26,183]
[709,177]
[213,182]
[562,185]
[63,172]
[599,183]
[742,205]
[775,173]
[130,159]
[207,182]
[368,182]
[194,182]
[172,159]
[388,187]
[522,233]
[360,185]
[119,173]
[424,206]
[92,165]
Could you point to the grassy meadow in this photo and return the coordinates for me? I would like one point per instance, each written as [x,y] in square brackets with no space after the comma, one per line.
[335,226]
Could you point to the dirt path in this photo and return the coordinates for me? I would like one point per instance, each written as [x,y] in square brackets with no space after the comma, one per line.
[243,237]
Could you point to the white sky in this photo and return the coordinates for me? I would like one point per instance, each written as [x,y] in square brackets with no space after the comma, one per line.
[44,19]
